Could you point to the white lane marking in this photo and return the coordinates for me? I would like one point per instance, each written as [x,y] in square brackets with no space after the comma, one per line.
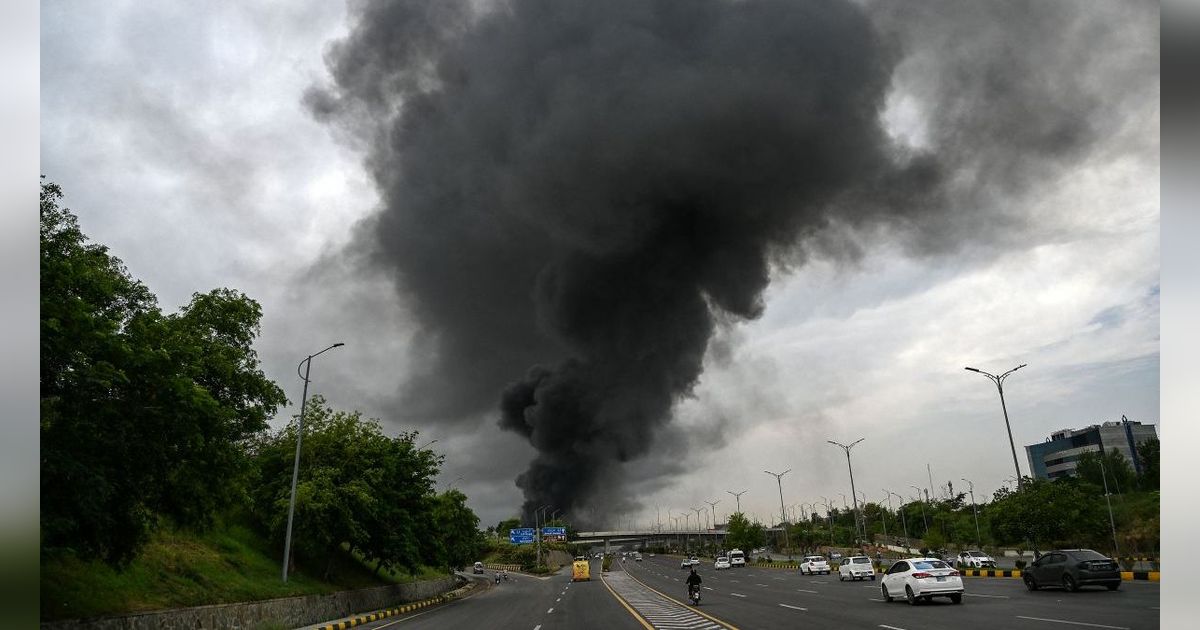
[890,627]
[558,600]
[406,619]
[737,594]
[872,599]
[793,607]
[868,586]
[549,611]
[816,582]
[707,588]
[982,595]
[780,579]
[762,585]
[538,627]
[804,590]
[1073,623]
[736,581]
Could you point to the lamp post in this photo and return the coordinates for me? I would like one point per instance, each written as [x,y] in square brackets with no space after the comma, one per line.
[853,494]
[1111,522]
[923,519]
[538,531]
[999,381]
[287,540]
[903,520]
[738,496]
[426,445]
[829,517]
[713,505]
[863,513]
[779,480]
[971,489]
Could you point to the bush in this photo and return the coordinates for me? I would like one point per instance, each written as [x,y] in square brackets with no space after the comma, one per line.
[1020,563]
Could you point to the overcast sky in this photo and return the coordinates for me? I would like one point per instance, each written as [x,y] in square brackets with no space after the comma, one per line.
[179,135]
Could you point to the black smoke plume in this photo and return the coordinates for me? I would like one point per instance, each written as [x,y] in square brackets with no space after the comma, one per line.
[575,193]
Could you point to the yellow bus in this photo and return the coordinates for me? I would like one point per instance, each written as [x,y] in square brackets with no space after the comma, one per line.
[581,569]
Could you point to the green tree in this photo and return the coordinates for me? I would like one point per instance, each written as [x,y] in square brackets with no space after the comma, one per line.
[1057,513]
[457,529]
[1110,467]
[743,534]
[1148,458]
[357,487]
[142,414]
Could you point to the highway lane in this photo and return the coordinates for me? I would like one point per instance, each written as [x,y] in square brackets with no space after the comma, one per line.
[524,603]
[774,598]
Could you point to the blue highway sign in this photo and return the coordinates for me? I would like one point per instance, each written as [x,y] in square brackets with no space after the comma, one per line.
[520,535]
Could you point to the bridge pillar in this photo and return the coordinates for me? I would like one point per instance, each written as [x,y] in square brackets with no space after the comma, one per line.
[606,546]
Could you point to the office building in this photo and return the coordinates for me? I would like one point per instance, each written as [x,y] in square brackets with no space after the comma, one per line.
[1058,455]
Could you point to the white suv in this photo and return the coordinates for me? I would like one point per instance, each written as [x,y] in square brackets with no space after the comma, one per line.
[737,558]
[812,565]
[856,568]
[976,559]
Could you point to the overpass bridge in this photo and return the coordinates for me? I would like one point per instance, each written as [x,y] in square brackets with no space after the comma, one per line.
[648,537]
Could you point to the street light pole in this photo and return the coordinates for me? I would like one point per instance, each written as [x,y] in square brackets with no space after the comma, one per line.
[713,505]
[1111,522]
[999,381]
[779,480]
[971,489]
[738,496]
[287,539]
[903,520]
[853,494]
[829,518]
[923,518]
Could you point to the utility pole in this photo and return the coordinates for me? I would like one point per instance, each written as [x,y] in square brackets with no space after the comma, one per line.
[971,489]
[738,496]
[999,381]
[783,514]
[829,517]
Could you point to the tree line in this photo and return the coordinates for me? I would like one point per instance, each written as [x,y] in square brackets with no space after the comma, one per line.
[150,418]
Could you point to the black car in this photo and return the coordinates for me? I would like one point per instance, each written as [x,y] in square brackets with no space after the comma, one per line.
[1071,569]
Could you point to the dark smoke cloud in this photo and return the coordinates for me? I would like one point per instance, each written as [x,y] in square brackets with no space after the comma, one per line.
[577,194]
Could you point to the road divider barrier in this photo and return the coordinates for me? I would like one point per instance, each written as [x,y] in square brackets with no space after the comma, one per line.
[1148,576]
[503,567]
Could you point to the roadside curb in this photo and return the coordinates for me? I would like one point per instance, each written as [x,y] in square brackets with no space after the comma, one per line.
[1128,576]
[459,593]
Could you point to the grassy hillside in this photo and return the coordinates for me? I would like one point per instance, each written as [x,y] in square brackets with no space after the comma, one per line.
[230,563]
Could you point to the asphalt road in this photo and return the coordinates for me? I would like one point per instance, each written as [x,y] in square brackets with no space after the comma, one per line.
[775,598]
[752,598]
[524,603]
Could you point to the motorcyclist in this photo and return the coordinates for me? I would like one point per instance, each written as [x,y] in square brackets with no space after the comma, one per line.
[497,577]
[693,582]
[505,574]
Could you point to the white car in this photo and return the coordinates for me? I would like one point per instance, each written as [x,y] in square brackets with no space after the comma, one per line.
[976,560]
[689,562]
[856,568]
[812,565]
[721,563]
[921,578]
[637,557]
[737,558]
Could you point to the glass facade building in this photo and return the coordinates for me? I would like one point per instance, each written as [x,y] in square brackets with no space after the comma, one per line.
[1058,455]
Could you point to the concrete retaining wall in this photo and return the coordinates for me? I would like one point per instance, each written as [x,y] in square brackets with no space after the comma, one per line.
[290,612]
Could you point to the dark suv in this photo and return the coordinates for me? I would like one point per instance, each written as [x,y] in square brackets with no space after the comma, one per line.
[1071,569]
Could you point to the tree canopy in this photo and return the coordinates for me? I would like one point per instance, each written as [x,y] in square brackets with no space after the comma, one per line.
[142,414]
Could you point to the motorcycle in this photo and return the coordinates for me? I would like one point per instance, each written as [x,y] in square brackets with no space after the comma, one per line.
[497,578]
[694,594]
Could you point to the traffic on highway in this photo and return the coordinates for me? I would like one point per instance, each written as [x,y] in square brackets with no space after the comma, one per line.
[652,592]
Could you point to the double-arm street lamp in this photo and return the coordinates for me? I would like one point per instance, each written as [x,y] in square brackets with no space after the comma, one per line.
[738,496]
[853,494]
[287,539]
[971,489]
[923,519]
[713,505]
[999,381]
[782,512]
[903,520]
